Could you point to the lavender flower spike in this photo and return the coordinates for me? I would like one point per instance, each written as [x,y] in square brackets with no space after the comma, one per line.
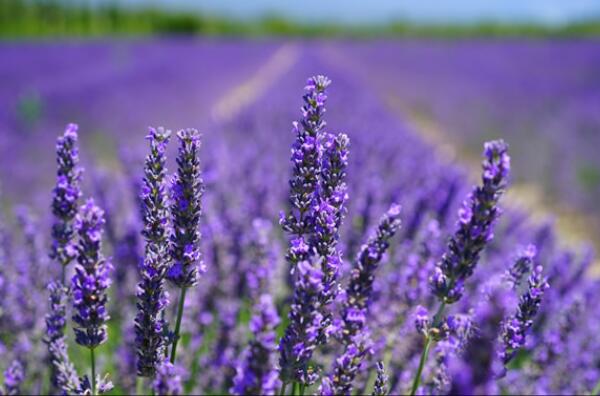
[328,219]
[305,176]
[475,229]
[345,367]
[380,387]
[150,325]
[475,226]
[358,292]
[515,329]
[64,375]
[168,380]
[187,188]
[14,376]
[305,319]
[256,374]
[355,306]
[91,278]
[301,335]
[89,285]
[521,266]
[65,196]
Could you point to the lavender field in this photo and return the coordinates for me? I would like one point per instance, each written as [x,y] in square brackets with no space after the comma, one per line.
[348,220]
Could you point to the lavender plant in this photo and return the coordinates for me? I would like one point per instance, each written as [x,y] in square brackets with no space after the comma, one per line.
[168,380]
[514,329]
[90,283]
[380,387]
[150,325]
[302,333]
[65,198]
[13,378]
[475,229]
[256,373]
[186,189]
[484,340]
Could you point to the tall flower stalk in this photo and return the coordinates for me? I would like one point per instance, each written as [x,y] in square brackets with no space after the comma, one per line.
[150,325]
[90,283]
[186,189]
[64,376]
[328,220]
[475,229]
[356,303]
[255,373]
[514,329]
[305,317]
[65,196]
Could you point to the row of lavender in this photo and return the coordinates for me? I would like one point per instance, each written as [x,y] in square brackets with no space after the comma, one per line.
[137,82]
[542,94]
[357,314]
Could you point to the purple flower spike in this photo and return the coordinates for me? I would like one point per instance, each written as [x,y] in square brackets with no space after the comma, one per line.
[356,304]
[186,190]
[346,366]
[64,375]
[328,219]
[14,376]
[256,374]
[168,380]
[312,223]
[305,161]
[91,278]
[358,292]
[475,226]
[380,387]
[521,266]
[301,335]
[150,326]
[514,330]
[65,197]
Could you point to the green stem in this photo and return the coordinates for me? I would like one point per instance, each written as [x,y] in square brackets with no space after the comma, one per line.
[93,360]
[302,388]
[178,324]
[417,380]
[428,341]
[282,390]
[139,386]
[294,388]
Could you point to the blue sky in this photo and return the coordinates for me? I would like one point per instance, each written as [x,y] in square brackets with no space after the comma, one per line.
[370,11]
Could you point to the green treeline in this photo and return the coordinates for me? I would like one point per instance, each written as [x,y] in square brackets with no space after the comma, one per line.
[56,18]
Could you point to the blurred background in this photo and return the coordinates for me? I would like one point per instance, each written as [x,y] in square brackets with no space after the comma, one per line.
[456,72]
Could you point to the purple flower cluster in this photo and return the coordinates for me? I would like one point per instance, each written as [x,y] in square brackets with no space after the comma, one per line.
[380,386]
[475,227]
[256,374]
[301,336]
[345,368]
[317,196]
[305,175]
[150,325]
[91,279]
[65,196]
[359,290]
[345,316]
[168,380]
[186,189]
[514,329]
[14,376]
[332,196]
[64,375]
